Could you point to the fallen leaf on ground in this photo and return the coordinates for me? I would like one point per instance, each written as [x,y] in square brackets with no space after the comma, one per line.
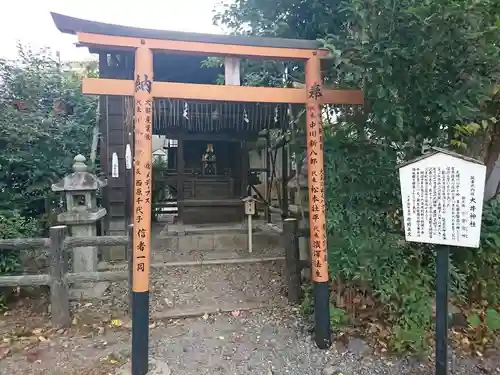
[116,323]
[4,352]
[37,331]
[32,356]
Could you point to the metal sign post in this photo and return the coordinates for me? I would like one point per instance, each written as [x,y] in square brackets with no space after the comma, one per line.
[442,196]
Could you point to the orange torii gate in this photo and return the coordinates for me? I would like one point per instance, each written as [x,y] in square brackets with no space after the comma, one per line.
[145,89]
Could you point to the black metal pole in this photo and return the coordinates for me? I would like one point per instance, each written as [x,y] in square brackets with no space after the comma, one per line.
[140,332]
[442,274]
[322,330]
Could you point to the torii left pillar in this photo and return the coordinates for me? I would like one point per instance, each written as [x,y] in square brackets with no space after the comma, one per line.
[142,208]
[317,208]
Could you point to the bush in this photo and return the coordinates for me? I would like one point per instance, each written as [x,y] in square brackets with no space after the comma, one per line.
[366,248]
[13,225]
[481,267]
[44,122]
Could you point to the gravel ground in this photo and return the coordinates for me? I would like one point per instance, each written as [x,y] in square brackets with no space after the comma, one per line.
[262,342]
[165,255]
[82,350]
[211,285]
[275,342]
[190,287]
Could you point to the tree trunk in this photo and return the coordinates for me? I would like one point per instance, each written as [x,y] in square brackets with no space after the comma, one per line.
[492,167]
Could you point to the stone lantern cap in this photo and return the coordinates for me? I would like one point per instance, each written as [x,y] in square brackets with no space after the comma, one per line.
[80,179]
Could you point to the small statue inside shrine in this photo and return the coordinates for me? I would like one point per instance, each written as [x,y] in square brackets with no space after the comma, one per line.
[208,160]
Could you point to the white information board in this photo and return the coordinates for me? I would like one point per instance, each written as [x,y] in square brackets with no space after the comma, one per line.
[114,166]
[442,197]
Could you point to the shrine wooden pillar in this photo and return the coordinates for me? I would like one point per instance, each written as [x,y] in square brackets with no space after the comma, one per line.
[142,208]
[317,219]
[269,187]
[244,168]
[180,183]
[284,173]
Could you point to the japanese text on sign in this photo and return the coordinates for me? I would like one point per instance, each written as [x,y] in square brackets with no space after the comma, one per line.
[143,170]
[316,181]
[442,200]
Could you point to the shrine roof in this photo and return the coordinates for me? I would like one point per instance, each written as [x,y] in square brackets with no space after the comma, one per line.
[72,25]
[438,150]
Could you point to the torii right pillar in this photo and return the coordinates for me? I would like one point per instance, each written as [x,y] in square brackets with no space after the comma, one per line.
[317,208]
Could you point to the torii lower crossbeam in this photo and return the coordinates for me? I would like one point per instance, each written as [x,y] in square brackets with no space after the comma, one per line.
[144,89]
[191,91]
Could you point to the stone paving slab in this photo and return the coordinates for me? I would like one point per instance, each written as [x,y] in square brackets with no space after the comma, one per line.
[215,242]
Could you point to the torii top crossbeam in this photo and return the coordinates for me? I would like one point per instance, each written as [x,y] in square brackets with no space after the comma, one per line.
[145,89]
[115,37]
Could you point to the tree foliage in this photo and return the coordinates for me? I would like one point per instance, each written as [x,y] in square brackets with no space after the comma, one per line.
[44,122]
[429,71]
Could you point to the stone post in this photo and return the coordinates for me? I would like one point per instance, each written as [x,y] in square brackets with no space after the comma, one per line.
[80,189]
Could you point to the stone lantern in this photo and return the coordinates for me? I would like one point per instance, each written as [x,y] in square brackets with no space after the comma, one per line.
[81,216]
[299,186]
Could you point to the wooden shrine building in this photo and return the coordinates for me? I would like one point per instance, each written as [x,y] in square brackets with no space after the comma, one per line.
[211,124]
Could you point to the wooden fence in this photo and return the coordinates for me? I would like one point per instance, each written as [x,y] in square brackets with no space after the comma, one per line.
[59,279]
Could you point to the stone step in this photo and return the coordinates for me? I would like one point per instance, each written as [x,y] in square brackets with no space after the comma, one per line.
[193,250]
[176,229]
[218,241]
[215,243]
